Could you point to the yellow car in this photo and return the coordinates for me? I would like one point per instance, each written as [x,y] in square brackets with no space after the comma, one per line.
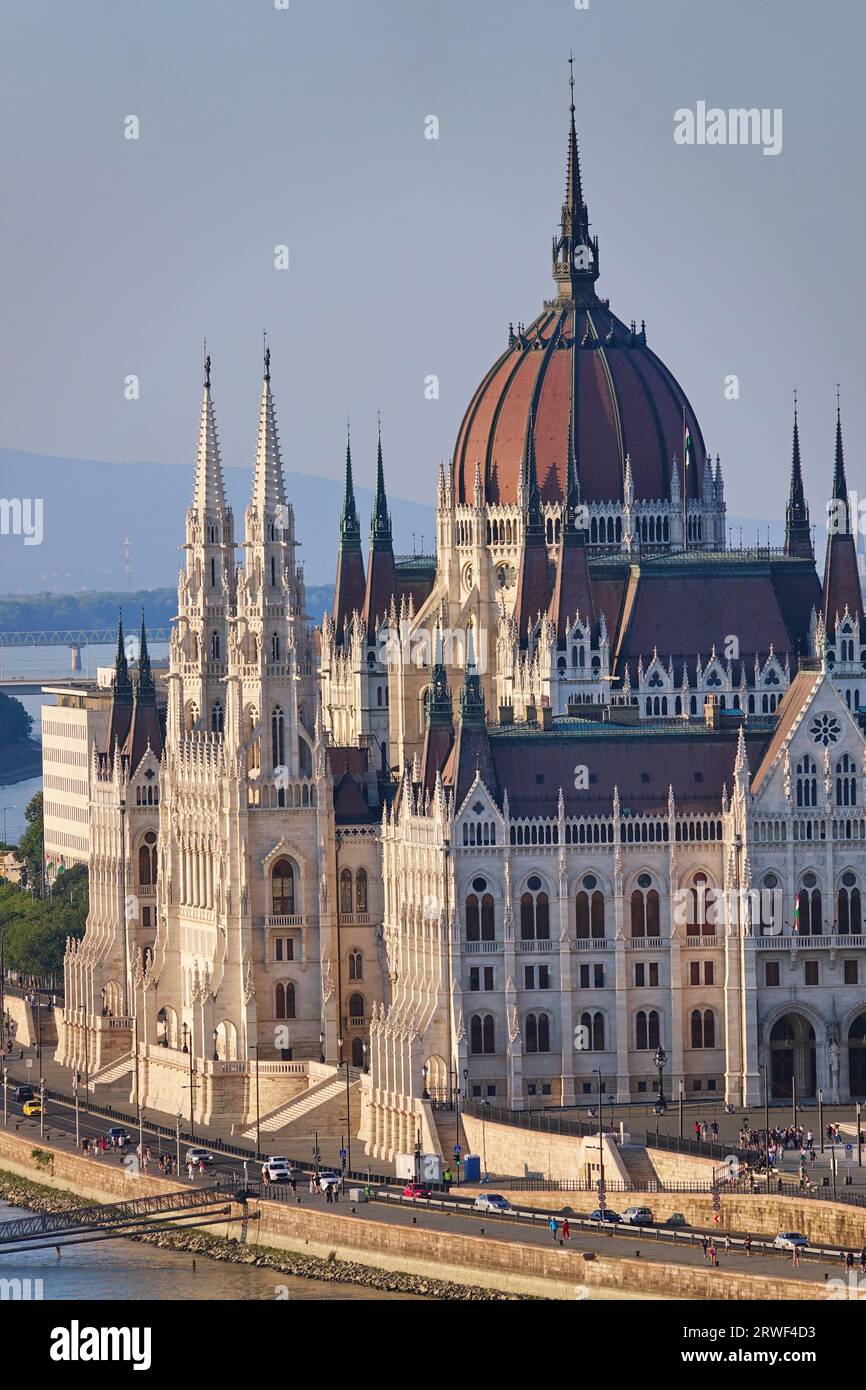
[33,1107]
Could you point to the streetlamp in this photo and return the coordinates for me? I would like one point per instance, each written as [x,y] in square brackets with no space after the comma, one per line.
[255,1048]
[859,1138]
[321,1047]
[821,1117]
[767,1121]
[216,1055]
[425,1094]
[681,1096]
[601,1191]
[187,1047]
[344,1061]
[177,1139]
[790,1044]
[659,1061]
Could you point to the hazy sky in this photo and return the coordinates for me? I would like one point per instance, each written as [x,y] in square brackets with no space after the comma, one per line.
[408,257]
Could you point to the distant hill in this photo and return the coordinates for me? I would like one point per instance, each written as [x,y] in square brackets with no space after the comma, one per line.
[90,609]
[89,507]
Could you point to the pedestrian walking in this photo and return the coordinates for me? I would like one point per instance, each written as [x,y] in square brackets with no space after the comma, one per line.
[190,1169]
[698,1130]
[796,1257]
[747,1245]
[329,1193]
[715,1130]
[849,1261]
[566,1230]
[705,1245]
[713,1259]
[201,1167]
[554,1227]
[727,1245]
[863,1260]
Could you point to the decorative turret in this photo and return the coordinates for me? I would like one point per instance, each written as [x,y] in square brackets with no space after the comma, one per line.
[381,589]
[147,726]
[798,533]
[575,252]
[439,735]
[841,577]
[350,585]
[121,703]
[572,588]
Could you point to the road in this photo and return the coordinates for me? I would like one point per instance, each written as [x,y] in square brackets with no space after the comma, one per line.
[453,1212]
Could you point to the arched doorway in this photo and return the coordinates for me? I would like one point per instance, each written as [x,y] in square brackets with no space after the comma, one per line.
[435,1078]
[857,1058]
[359,1058]
[792,1054]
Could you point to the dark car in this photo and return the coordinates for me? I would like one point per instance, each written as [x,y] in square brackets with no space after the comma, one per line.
[118,1135]
[23,1093]
[612,1217]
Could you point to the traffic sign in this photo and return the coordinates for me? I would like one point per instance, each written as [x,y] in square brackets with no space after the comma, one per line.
[343,1153]
[457,1148]
[849,1148]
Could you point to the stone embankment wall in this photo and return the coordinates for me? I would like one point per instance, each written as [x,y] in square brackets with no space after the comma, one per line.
[539,1270]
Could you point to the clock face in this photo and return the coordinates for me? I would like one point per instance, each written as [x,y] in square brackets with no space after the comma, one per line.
[582,258]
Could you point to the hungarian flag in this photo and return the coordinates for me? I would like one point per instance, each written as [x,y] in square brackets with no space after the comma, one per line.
[687,444]
[797,913]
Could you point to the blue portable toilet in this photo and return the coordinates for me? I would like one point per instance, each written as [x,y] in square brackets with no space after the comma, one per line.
[472,1168]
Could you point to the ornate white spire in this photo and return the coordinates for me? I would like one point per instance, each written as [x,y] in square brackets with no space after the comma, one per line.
[208,494]
[269,493]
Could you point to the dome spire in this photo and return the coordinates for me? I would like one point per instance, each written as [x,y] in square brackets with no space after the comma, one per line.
[575,252]
[798,536]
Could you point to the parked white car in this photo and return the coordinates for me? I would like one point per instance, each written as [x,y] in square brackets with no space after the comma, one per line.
[276,1169]
[790,1240]
[491,1201]
[638,1216]
[328,1178]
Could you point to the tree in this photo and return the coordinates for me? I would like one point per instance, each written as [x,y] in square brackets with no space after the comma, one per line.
[29,851]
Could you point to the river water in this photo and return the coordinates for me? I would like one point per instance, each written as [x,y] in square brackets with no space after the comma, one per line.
[43,664]
[129,1270]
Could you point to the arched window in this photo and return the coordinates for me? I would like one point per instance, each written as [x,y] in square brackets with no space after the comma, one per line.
[254,746]
[846,781]
[807,781]
[593,1026]
[537,1033]
[645,919]
[278,745]
[361,890]
[275,647]
[696,921]
[849,920]
[534,912]
[808,917]
[215,646]
[147,862]
[703,1028]
[283,889]
[346,890]
[488,924]
[647,1030]
[285,1000]
[589,912]
[356,1006]
[217,718]
[473,930]
[482,1034]
[356,965]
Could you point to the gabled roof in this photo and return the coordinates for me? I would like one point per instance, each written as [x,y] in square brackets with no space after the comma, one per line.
[793,708]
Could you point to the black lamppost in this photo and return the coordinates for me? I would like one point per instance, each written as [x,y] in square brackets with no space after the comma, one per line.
[187,1047]
[821,1117]
[767,1121]
[321,1047]
[682,1089]
[216,1055]
[348,1113]
[425,1094]
[659,1060]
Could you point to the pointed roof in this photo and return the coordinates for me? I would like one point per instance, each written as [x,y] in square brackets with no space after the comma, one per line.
[208,491]
[121,700]
[381,571]
[798,535]
[471,755]
[269,491]
[439,734]
[350,586]
[841,573]
[147,724]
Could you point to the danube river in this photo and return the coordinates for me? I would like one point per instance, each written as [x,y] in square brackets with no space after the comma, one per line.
[125,1269]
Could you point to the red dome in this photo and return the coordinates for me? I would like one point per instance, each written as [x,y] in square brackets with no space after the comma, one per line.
[624,402]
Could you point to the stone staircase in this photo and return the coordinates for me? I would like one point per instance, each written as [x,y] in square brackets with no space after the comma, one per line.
[639,1167]
[115,1071]
[303,1105]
